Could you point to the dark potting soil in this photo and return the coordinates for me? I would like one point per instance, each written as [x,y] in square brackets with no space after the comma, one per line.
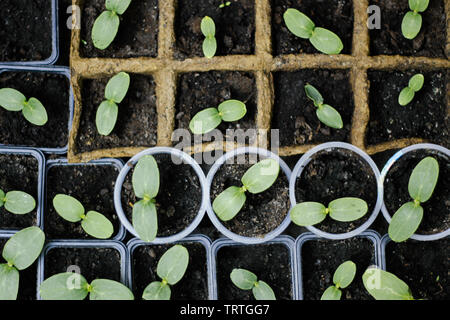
[430,42]
[423,265]
[335,174]
[270,262]
[294,114]
[137,35]
[137,120]
[425,117]
[64,18]
[178,200]
[18,173]
[53,91]
[194,284]
[92,185]
[235,27]
[336,16]
[25,30]
[436,216]
[320,259]
[262,212]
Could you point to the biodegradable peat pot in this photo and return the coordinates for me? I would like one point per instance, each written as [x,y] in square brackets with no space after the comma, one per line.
[395,177]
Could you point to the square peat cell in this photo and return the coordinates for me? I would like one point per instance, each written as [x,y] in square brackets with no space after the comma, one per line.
[137,35]
[294,114]
[389,40]
[137,119]
[425,117]
[235,27]
[334,15]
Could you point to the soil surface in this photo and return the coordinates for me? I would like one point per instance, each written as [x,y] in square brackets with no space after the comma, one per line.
[137,35]
[430,42]
[194,284]
[137,120]
[25,30]
[53,91]
[64,32]
[436,217]
[335,174]
[92,185]
[235,27]
[262,212]
[427,116]
[178,200]
[270,262]
[336,16]
[294,114]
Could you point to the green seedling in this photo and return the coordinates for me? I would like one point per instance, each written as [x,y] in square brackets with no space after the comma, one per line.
[171,269]
[383,285]
[326,113]
[73,286]
[343,210]
[342,278]
[20,252]
[107,24]
[207,120]
[415,85]
[246,280]
[412,21]
[421,185]
[17,202]
[224,4]
[258,178]
[322,39]
[32,110]
[208,28]
[115,91]
[93,223]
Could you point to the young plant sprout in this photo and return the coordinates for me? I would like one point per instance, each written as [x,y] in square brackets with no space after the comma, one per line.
[421,185]
[225,4]
[412,21]
[258,178]
[32,110]
[246,280]
[208,28]
[343,210]
[93,223]
[383,285]
[171,269]
[17,202]
[107,24]
[326,113]
[342,278]
[322,39]
[115,91]
[207,120]
[415,85]
[73,286]
[20,252]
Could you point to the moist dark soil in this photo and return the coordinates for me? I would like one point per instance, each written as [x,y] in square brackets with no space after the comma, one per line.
[92,185]
[18,173]
[426,117]
[335,174]
[336,16]
[136,112]
[294,114]
[137,35]
[430,42]
[235,27]
[436,217]
[262,212]
[424,266]
[194,284]
[178,200]
[53,91]
[321,258]
[64,32]
[270,262]
[25,30]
